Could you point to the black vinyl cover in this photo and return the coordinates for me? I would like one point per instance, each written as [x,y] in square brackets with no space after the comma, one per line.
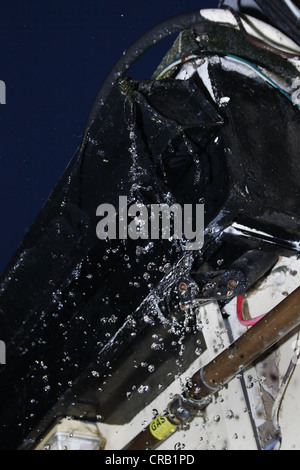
[66,293]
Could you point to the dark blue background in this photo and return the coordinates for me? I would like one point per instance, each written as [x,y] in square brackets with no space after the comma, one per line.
[54,56]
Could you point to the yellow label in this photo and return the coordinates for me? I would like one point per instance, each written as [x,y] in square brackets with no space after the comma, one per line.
[161,427]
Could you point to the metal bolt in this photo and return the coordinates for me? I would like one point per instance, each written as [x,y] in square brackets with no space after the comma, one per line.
[232,284]
[183,287]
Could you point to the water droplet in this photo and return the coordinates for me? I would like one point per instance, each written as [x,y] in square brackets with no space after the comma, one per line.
[229,414]
[151,266]
[149,320]
[157,346]
[143,389]
[179,446]
[250,382]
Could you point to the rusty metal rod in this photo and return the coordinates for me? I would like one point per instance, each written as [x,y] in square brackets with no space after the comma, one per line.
[278,323]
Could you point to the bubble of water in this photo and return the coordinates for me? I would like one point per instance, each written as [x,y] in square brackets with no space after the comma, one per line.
[151,266]
[229,414]
[179,446]
[157,346]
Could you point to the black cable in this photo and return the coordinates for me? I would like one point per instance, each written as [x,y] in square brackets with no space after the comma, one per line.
[258,42]
[150,38]
[280,15]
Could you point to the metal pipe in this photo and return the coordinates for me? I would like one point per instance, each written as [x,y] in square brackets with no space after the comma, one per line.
[278,323]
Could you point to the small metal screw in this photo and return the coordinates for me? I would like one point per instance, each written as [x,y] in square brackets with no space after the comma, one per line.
[183,287]
[232,284]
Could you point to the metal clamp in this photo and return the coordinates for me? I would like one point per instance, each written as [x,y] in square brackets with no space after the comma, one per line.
[183,410]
